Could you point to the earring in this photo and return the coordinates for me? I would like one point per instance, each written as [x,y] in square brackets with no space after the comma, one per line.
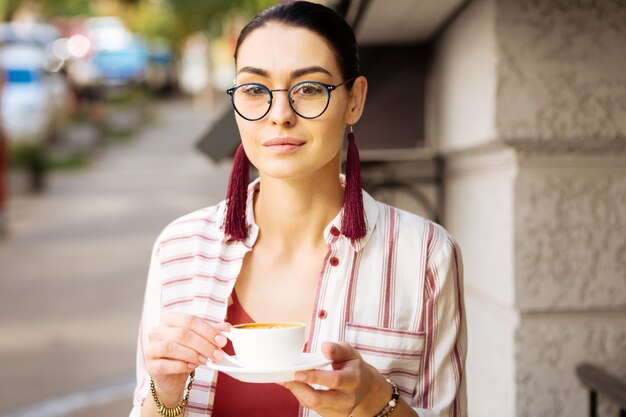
[236,197]
[353,223]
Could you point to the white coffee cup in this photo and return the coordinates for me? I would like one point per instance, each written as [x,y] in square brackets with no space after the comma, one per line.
[268,345]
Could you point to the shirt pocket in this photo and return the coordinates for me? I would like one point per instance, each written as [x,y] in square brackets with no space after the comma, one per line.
[397,354]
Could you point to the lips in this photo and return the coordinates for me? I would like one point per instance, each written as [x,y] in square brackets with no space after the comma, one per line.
[286,141]
[283,145]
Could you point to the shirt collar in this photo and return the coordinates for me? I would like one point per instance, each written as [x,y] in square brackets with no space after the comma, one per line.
[369,205]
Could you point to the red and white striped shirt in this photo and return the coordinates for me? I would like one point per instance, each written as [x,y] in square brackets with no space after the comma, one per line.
[395,295]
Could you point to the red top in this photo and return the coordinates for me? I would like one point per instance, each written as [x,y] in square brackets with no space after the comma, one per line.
[242,399]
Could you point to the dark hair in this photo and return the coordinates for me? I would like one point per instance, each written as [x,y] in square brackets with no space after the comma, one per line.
[318,19]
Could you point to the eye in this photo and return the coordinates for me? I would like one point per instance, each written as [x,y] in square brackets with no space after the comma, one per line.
[309,90]
[253,90]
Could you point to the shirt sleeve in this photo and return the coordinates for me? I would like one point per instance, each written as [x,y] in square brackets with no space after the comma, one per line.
[441,385]
[150,317]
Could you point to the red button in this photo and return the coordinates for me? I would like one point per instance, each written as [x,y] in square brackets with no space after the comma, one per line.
[322,314]
[334,231]
[334,261]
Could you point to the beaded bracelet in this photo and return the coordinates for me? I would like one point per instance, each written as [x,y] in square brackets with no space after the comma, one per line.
[393,402]
[176,411]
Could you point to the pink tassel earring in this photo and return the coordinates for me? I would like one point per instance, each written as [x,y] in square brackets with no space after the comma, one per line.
[353,223]
[236,197]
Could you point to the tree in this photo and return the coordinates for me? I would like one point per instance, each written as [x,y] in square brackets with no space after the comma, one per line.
[170,19]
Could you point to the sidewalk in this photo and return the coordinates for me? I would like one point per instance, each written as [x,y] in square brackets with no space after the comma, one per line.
[73,268]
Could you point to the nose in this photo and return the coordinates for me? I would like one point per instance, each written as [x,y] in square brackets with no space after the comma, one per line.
[281,112]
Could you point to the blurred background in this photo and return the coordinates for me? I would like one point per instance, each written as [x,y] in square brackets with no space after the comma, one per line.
[503,120]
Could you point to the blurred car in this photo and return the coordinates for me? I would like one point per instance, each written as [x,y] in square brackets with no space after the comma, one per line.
[122,66]
[161,71]
[106,53]
[32,33]
[195,70]
[34,100]
[27,107]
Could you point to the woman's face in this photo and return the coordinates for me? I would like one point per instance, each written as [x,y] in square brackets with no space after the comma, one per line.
[283,144]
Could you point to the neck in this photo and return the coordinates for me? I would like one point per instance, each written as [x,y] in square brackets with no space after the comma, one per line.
[297,210]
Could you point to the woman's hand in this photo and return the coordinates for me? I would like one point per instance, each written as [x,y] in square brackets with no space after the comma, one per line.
[179,344]
[354,387]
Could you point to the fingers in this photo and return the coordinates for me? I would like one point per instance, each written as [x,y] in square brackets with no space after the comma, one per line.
[167,349]
[345,379]
[350,381]
[183,344]
[193,323]
[184,338]
[168,367]
[316,399]
[339,352]
[346,368]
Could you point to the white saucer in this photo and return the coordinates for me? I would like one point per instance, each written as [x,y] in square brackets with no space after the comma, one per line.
[305,362]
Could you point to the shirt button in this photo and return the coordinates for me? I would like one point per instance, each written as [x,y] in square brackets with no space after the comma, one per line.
[322,314]
[334,261]
[334,231]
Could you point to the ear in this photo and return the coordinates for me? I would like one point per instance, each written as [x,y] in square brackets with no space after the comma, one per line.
[356,101]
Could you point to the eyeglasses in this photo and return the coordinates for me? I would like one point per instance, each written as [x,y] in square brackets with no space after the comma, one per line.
[308,99]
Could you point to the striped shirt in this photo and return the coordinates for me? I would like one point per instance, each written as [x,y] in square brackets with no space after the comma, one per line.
[395,295]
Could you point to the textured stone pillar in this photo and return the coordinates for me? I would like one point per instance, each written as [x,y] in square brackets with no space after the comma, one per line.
[529,100]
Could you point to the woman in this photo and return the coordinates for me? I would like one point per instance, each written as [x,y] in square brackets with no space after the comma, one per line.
[380,288]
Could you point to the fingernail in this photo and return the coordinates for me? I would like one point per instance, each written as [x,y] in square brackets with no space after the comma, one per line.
[202,359]
[220,340]
[301,376]
[218,355]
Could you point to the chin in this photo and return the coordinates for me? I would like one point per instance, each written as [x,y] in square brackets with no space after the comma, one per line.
[283,173]
[296,168]
[284,170]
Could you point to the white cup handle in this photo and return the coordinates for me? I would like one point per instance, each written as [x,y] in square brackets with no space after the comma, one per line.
[228,358]
[232,360]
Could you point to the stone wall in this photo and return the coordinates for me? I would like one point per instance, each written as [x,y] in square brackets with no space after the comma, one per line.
[562,72]
[530,99]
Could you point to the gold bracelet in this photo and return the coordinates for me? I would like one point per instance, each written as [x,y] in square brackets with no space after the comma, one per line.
[176,411]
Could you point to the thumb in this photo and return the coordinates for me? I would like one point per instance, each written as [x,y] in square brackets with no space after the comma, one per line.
[222,327]
[339,352]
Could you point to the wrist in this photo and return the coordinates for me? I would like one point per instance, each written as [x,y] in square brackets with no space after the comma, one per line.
[162,404]
[169,398]
[376,399]
[393,402]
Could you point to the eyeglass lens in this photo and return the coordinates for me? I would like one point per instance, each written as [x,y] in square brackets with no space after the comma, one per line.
[308,99]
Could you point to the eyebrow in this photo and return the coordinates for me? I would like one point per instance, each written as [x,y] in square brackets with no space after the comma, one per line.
[294,74]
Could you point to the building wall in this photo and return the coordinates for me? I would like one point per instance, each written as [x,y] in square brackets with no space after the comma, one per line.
[479,209]
[465,79]
[562,72]
[531,119]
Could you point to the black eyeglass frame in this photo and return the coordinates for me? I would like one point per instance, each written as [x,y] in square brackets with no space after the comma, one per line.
[329,89]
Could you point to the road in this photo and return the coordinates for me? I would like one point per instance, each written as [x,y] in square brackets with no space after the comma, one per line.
[73,268]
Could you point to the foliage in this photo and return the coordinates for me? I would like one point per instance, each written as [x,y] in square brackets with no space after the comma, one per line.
[27,155]
[171,19]
[33,159]
[66,162]
[184,17]
[53,7]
